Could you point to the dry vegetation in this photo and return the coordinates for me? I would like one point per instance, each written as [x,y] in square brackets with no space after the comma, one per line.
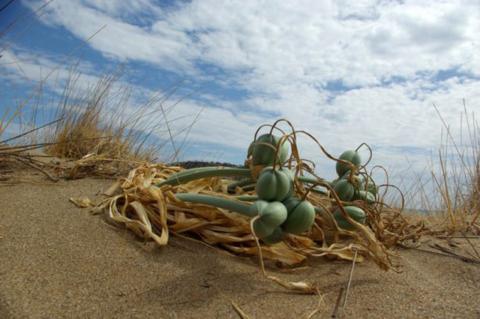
[98,130]
[155,213]
[98,136]
[455,176]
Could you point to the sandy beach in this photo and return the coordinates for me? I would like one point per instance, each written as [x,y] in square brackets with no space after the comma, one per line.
[59,261]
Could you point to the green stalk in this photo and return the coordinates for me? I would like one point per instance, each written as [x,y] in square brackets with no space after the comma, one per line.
[192,170]
[240,183]
[311,180]
[220,202]
[203,172]
[247,198]
[248,188]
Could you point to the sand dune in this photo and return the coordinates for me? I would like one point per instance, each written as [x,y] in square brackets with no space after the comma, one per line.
[59,261]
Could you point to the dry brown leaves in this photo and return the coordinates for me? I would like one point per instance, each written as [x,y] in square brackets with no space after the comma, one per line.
[155,213]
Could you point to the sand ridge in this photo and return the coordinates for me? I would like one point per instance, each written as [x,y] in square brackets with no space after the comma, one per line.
[59,261]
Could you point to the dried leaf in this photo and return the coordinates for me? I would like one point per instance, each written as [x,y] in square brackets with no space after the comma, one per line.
[151,212]
[82,202]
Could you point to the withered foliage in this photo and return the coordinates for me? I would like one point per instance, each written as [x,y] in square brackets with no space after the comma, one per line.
[155,213]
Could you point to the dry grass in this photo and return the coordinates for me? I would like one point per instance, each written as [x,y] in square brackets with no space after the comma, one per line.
[446,195]
[108,128]
[457,179]
[14,155]
[96,130]
[91,124]
[96,134]
[99,130]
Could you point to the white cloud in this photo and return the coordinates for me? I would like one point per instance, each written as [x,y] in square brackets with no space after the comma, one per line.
[348,71]
[20,65]
[124,9]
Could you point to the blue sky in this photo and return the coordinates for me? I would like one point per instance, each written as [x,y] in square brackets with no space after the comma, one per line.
[346,71]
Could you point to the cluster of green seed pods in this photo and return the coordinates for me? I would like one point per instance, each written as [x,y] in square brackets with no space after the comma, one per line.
[277,209]
[275,187]
[275,191]
[351,186]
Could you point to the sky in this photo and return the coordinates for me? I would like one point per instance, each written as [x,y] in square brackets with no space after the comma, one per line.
[346,71]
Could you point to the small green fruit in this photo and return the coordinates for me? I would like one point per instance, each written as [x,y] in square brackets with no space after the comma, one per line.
[301,216]
[263,154]
[354,212]
[349,156]
[345,190]
[277,236]
[364,195]
[261,229]
[273,185]
[370,186]
[274,214]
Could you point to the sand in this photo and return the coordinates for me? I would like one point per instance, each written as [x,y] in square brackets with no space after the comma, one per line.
[59,261]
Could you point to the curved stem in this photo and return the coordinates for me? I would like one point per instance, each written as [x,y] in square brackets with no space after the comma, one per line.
[219,202]
[247,198]
[271,131]
[369,156]
[187,176]
[240,183]
[310,180]
[319,191]
[282,140]
[248,188]
[315,181]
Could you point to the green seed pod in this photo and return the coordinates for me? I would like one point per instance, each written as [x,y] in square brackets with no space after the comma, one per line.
[275,237]
[290,203]
[264,155]
[372,189]
[354,212]
[261,229]
[349,156]
[274,214]
[291,174]
[370,186]
[364,195]
[301,216]
[273,185]
[345,190]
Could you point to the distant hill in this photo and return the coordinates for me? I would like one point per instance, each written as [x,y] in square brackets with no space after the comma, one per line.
[193,164]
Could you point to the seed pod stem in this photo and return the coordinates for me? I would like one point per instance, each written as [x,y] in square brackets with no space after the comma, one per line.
[241,183]
[220,202]
[204,172]
[246,198]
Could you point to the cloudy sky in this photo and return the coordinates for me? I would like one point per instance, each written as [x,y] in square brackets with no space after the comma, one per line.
[346,71]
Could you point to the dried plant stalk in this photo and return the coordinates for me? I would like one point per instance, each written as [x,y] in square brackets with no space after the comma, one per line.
[152,212]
